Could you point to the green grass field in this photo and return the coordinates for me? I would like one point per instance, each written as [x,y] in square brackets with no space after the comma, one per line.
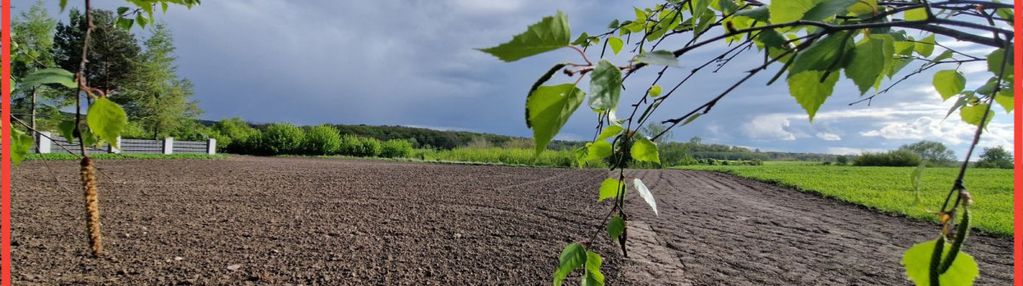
[890,189]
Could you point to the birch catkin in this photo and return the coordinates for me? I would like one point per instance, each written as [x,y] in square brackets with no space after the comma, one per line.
[92,206]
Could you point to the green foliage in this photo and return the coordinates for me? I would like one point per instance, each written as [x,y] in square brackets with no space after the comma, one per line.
[868,62]
[609,189]
[896,158]
[547,110]
[21,144]
[504,156]
[810,91]
[396,148]
[949,83]
[995,157]
[236,133]
[605,87]
[933,153]
[106,119]
[917,261]
[48,76]
[321,140]
[549,34]
[889,190]
[155,95]
[573,257]
[111,50]
[615,227]
[282,138]
[788,11]
[644,150]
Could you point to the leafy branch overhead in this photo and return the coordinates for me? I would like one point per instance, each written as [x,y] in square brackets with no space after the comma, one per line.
[811,45]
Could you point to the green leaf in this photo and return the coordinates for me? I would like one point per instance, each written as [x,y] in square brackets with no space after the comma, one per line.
[644,193]
[107,119]
[616,227]
[67,129]
[547,110]
[609,189]
[164,6]
[141,20]
[125,23]
[598,150]
[925,46]
[810,92]
[917,262]
[544,78]
[121,11]
[572,257]
[691,118]
[655,91]
[21,144]
[605,86]
[868,63]
[828,9]
[1005,99]
[658,58]
[995,60]
[49,76]
[644,150]
[864,7]
[616,44]
[641,15]
[973,114]
[608,132]
[582,40]
[593,277]
[947,54]
[63,4]
[549,34]
[918,14]
[949,83]
[789,10]
[823,54]
[761,14]
[614,24]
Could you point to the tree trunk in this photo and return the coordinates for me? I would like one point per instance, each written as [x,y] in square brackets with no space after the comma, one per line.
[32,110]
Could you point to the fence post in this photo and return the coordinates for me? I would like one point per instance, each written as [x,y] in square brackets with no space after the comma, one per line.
[211,146]
[168,145]
[114,150]
[44,142]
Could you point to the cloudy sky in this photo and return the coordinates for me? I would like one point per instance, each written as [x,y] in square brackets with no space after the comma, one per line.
[413,63]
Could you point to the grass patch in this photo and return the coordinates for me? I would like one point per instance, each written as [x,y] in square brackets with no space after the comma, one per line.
[889,189]
[129,156]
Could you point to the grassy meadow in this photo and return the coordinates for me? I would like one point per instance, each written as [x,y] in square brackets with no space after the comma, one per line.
[890,189]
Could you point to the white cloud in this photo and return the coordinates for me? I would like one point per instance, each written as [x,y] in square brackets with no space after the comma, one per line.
[828,136]
[769,127]
[850,151]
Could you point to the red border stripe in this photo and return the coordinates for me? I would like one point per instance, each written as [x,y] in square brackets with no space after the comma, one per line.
[1018,152]
[5,162]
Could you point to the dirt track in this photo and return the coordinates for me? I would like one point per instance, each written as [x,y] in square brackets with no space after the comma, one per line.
[330,222]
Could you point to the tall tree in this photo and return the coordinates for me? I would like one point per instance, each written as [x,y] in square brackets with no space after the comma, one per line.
[33,31]
[155,95]
[934,153]
[996,157]
[112,50]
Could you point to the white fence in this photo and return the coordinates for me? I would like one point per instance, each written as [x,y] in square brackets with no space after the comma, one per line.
[166,146]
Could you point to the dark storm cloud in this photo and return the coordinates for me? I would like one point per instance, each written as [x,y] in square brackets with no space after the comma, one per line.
[414,63]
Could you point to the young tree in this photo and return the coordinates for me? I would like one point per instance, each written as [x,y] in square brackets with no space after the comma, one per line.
[932,152]
[996,157]
[807,44]
[33,32]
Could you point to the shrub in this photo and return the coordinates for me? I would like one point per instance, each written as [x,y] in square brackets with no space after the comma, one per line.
[350,145]
[282,138]
[370,147]
[322,140]
[235,135]
[897,158]
[396,148]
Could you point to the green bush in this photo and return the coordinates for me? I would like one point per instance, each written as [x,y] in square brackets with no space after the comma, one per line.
[495,155]
[350,145]
[322,140]
[396,148]
[896,158]
[370,147]
[281,138]
[235,135]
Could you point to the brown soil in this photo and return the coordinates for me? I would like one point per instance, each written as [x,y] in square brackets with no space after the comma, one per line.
[278,221]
